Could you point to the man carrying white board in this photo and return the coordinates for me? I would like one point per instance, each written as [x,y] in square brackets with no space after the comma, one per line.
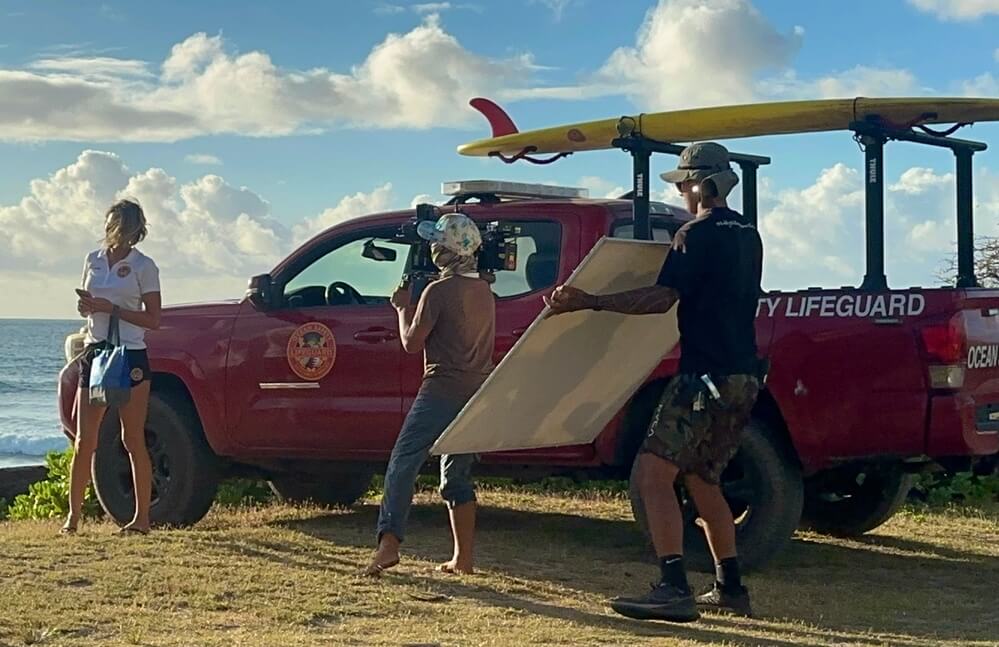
[714,272]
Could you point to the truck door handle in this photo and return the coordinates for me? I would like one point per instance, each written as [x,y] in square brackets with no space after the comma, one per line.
[519,332]
[375,335]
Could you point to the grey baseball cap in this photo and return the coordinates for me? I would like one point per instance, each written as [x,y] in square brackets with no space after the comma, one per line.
[698,162]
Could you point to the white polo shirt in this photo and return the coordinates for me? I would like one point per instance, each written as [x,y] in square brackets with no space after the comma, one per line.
[123,285]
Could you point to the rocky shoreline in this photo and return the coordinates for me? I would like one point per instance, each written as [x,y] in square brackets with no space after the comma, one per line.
[17,480]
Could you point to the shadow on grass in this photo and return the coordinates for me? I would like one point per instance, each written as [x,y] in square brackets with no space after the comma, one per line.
[888,586]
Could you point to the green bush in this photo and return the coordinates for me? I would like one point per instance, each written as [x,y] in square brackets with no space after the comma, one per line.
[962,488]
[50,498]
[243,492]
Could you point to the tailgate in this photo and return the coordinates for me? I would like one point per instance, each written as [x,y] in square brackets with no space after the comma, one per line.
[965,420]
[981,382]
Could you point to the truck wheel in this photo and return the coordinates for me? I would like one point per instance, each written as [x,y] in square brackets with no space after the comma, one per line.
[185,470]
[341,488]
[764,489]
[848,502]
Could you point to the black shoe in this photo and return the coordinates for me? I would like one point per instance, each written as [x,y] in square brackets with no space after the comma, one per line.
[717,599]
[664,602]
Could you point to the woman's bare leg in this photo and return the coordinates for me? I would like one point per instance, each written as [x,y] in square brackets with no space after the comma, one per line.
[133,436]
[88,423]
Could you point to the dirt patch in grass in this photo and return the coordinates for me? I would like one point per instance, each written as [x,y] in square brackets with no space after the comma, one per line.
[287,576]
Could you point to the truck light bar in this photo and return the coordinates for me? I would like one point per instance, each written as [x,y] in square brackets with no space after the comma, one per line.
[504,189]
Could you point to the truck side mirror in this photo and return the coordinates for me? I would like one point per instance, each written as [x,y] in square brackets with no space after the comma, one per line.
[376,253]
[259,291]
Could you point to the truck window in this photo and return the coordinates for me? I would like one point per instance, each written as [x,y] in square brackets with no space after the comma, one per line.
[374,280]
[660,230]
[538,248]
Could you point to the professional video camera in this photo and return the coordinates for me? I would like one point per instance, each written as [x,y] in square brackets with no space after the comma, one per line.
[498,251]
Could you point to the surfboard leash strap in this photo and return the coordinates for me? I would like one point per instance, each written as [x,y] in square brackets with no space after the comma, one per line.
[919,124]
[525,155]
[943,133]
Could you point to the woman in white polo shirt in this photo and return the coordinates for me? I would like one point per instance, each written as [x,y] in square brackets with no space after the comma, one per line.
[117,279]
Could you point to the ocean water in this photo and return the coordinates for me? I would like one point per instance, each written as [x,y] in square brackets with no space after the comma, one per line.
[31,356]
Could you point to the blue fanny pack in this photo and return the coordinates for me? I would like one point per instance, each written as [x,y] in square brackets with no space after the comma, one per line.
[110,384]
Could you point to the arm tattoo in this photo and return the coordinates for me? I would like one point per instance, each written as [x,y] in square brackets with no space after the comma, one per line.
[643,301]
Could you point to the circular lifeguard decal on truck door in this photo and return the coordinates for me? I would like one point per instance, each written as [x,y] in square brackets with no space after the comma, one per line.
[311,351]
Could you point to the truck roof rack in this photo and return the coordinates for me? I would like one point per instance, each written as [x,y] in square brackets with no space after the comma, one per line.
[872,134]
[496,190]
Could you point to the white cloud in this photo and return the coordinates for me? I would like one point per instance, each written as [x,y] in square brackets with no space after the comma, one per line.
[691,53]
[61,212]
[931,235]
[437,7]
[601,188]
[557,7]
[389,9]
[920,207]
[983,85]
[863,80]
[423,78]
[84,49]
[92,66]
[190,57]
[204,159]
[432,7]
[806,231]
[957,9]
[349,207]
[918,181]
[815,236]
[423,198]
[858,81]
[698,52]
[419,79]
[207,235]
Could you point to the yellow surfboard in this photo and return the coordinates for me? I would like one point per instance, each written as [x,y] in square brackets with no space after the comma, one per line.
[728,122]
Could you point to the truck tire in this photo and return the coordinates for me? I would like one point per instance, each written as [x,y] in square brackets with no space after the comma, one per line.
[848,502]
[339,489]
[185,470]
[764,488]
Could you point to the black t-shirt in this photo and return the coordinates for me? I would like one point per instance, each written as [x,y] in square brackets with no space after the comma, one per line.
[718,279]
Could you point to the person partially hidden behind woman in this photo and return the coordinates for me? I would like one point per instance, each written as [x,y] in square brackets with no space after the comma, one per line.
[455,324]
[119,280]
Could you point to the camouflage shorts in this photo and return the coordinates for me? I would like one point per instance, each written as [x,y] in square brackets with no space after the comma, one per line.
[702,441]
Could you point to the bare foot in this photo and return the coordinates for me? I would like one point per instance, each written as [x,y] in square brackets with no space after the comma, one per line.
[456,567]
[384,558]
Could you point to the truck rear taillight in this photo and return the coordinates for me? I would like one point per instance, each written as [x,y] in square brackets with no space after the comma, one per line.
[943,349]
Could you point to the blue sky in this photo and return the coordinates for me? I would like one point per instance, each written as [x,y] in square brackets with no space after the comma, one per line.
[244,130]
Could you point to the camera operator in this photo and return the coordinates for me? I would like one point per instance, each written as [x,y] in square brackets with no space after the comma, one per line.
[454,325]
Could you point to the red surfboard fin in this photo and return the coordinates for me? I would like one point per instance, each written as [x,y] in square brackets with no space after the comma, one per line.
[498,120]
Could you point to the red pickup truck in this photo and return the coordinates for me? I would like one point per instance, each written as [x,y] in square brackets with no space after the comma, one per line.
[305,383]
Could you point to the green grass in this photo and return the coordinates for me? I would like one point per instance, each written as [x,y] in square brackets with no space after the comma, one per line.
[280,575]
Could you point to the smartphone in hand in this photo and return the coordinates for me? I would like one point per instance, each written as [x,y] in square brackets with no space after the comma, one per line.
[83,293]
